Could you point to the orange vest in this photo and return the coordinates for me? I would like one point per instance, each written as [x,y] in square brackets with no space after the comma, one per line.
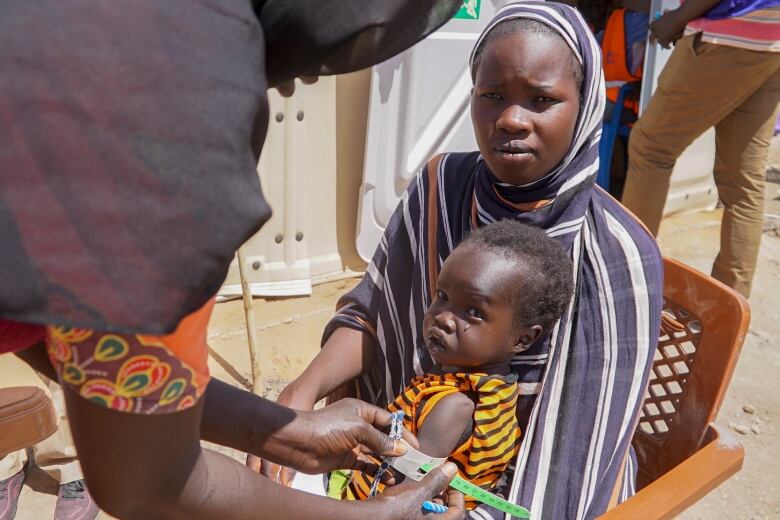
[613,48]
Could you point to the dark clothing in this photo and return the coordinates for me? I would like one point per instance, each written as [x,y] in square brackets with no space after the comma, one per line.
[131,133]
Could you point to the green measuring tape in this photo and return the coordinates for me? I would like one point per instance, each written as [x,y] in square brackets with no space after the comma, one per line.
[467,488]
[414,465]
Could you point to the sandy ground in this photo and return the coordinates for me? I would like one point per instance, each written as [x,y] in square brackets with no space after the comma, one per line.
[289,332]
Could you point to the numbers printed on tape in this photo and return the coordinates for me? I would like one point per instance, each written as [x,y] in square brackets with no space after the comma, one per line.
[415,465]
[467,488]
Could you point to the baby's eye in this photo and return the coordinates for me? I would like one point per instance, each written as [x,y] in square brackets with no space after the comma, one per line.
[475,313]
[545,99]
[441,294]
[491,95]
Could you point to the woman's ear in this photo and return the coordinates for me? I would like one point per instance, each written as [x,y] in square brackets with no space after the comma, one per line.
[526,337]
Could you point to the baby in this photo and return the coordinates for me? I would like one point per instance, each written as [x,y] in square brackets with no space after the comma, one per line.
[500,290]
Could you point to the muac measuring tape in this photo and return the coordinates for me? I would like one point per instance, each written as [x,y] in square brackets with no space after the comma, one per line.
[415,465]
[467,488]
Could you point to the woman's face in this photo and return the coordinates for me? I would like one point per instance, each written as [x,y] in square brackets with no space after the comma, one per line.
[524,105]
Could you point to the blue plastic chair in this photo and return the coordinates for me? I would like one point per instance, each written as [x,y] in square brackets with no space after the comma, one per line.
[611,129]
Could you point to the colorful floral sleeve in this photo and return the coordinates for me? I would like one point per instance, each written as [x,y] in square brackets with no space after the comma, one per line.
[131,372]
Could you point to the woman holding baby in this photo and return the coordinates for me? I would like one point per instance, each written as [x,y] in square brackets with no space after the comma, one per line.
[537,105]
[127,129]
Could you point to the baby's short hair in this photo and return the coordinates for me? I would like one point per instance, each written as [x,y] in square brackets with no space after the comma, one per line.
[548,284]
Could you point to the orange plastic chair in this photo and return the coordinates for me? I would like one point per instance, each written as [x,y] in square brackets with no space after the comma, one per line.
[682,454]
[27,417]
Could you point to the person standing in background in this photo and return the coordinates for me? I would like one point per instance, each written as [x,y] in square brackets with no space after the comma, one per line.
[56,456]
[724,73]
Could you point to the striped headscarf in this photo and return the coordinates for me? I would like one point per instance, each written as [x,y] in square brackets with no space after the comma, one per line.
[582,385]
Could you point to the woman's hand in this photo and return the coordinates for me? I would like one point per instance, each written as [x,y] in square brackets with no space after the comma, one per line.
[667,29]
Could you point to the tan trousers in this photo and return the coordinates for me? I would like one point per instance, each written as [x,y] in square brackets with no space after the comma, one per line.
[704,85]
[55,455]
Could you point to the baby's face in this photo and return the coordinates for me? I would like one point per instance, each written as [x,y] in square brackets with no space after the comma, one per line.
[470,322]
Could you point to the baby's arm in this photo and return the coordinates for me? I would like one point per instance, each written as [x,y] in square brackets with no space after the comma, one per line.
[445,424]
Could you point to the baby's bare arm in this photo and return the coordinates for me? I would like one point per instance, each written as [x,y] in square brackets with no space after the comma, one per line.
[444,426]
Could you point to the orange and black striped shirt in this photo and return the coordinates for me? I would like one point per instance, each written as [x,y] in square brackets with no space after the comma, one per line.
[492,444]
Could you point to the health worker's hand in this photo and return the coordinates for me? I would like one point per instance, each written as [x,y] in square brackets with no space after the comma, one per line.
[405,500]
[334,437]
[278,473]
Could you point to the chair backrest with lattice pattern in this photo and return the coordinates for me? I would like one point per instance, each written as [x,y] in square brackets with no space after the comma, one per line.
[703,327]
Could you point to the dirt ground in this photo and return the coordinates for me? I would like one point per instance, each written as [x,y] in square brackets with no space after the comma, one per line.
[289,332]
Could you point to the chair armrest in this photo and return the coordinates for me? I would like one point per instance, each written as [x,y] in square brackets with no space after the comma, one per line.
[687,483]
